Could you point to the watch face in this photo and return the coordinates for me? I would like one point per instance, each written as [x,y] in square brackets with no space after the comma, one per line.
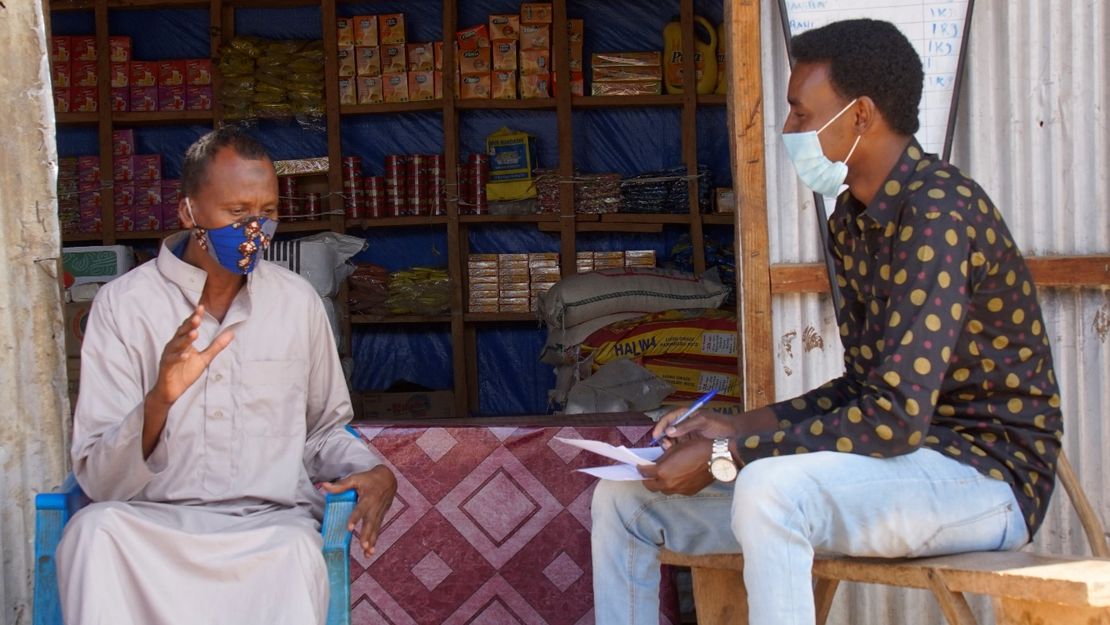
[723,469]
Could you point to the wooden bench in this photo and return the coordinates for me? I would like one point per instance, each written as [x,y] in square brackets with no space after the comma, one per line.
[1027,588]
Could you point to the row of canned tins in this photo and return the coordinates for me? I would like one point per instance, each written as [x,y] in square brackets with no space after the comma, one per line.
[413,185]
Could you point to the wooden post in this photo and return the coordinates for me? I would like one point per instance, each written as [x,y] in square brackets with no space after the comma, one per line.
[745,123]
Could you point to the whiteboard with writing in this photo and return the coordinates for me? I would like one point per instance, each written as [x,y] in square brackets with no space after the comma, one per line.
[934,27]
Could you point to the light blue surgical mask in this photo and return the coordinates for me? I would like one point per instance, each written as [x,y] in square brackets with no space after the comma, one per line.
[814,168]
[236,245]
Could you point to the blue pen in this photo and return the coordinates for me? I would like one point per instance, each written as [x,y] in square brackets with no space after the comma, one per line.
[704,399]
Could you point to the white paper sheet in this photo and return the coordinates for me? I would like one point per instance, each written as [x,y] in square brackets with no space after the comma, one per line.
[628,457]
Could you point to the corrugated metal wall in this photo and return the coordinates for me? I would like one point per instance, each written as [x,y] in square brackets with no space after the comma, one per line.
[1034,131]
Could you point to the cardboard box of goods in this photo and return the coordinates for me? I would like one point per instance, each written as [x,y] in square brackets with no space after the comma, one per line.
[76,319]
[535,86]
[409,405]
[119,48]
[171,73]
[61,47]
[395,87]
[347,92]
[639,258]
[119,75]
[121,99]
[347,64]
[474,61]
[147,167]
[475,86]
[535,13]
[421,86]
[504,55]
[391,29]
[82,48]
[369,90]
[171,98]
[368,61]
[535,37]
[82,74]
[535,62]
[577,83]
[421,57]
[473,37]
[144,98]
[61,99]
[504,27]
[503,85]
[619,73]
[393,59]
[345,31]
[627,87]
[144,74]
[198,97]
[60,76]
[198,72]
[147,218]
[123,142]
[724,200]
[365,29]
[97,263]
[83,99]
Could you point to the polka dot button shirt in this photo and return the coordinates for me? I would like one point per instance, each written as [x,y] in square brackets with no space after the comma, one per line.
[944,342]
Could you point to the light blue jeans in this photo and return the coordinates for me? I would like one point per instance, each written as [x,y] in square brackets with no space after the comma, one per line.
[780,511]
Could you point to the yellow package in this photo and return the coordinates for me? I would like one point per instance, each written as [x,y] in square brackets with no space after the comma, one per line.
[503,85]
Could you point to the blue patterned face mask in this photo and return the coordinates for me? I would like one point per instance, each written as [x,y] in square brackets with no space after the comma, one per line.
[236,245]
[814,168]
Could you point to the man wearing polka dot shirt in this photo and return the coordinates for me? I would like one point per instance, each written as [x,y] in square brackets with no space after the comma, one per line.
[941,435]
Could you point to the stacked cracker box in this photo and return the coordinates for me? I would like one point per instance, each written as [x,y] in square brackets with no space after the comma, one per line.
[481,272]
[595,261]
[543,273]
[535,50]
[377,64]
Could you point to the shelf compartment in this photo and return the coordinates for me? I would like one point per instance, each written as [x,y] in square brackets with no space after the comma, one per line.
[495,105]
[501,317]
[615,101]
[77,118]
[509,219]
[726,219]
[162,117]
[391,319]
[392,107]
[391,222]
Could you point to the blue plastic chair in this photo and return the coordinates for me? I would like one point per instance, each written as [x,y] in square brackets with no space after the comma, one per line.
[53,511]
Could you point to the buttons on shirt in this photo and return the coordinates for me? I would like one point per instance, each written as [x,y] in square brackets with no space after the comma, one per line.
[218,377]
[218,414]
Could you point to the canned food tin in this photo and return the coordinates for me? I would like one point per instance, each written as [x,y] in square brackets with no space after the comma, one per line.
[312,204]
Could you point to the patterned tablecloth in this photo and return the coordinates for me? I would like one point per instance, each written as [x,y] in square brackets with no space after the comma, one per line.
[490,525]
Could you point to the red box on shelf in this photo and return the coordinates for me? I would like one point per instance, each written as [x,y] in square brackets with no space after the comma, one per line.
[123,196]
[125,217]
[119,49]
[84,186]
[123,169]
[61,99]
[170,218]
[473,38]
[88,169]
[123,142]
[148,194]
[421,86]
[83,74]
[120,75]
[198,72]
[121,99]
[171,73]
[198,97]
[60,76]
[83,99]
[148,167]
[82,48]
[171,191]
[88,214]
[144,74]
[148,217]
[171,98]
[61,48]
[144,99]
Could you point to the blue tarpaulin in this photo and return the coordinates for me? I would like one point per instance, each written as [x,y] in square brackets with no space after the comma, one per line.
[628,141]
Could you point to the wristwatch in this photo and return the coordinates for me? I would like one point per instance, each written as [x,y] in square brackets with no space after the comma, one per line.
[721,465]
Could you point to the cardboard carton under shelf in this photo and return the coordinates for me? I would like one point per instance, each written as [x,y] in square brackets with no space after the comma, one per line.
[404,405]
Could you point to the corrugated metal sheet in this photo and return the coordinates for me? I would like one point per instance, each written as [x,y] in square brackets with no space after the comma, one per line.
[1034,131]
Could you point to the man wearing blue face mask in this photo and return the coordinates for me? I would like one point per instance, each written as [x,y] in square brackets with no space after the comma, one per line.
[211,400]
[943,432]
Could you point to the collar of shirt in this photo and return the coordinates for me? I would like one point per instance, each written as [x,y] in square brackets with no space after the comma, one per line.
[190,278]
[883,210]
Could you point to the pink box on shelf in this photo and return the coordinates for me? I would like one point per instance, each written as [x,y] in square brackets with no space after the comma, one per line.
[171,73]
[144,99]
[120,75]
[147,218]
[144,74]
[88,219]
[123,169]
[148,194]
[123,142]
[147,167]
[198,97]
[171,98]
[83,99]
[121,99]
[88,168]
[170,219]
[171,191]
[198,72]
[123,196]
[120,48]
[125,218]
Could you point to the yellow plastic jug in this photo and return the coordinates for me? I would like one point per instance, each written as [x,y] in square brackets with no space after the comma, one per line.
[722,59]
[705,57]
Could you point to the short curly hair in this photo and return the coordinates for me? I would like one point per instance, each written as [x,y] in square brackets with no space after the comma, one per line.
[194,171]
[868,58]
